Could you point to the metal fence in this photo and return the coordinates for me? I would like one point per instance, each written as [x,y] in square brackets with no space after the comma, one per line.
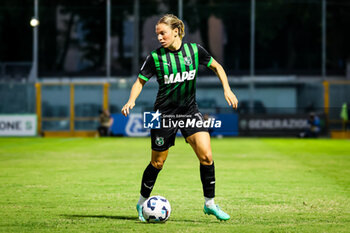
[75,106]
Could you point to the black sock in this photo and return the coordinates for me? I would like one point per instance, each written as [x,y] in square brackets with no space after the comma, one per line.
[148,180]
[208,180]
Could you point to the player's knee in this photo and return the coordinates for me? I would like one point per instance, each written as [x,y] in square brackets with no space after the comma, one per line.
[158,164]
[206,159]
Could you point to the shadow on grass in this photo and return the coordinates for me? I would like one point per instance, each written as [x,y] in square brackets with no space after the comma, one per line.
[193,221]
[133,218]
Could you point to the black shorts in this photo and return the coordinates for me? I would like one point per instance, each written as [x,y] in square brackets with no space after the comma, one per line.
[164,138]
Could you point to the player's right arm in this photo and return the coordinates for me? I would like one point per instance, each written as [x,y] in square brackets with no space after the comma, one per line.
[135,92]
[146,72]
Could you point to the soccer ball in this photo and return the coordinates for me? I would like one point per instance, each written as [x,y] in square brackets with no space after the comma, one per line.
[156,209]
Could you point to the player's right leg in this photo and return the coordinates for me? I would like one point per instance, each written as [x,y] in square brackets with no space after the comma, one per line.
[162,139]
[149,178]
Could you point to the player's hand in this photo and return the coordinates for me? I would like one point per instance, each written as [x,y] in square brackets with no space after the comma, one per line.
[231,99]
[127,107]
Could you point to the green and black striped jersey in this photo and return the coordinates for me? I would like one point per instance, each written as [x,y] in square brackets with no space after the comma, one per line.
[176,73]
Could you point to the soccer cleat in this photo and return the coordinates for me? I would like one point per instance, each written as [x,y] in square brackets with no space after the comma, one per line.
[139,211]
[215,210]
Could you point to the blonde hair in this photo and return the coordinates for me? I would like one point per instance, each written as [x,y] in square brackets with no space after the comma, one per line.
[173,22]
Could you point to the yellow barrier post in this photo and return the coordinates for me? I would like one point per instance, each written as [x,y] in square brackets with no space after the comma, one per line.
[105,95]
[38,107]
[326,97]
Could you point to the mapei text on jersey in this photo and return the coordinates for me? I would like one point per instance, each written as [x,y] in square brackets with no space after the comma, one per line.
[180,77]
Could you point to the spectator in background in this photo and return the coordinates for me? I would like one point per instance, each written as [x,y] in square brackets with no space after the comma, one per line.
[344,115]
[106,122]
[314,125]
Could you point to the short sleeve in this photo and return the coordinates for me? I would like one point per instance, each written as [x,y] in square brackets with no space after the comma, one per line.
[148,69]
[204,57]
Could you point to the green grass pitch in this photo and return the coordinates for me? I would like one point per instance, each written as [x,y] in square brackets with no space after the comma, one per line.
[92,185]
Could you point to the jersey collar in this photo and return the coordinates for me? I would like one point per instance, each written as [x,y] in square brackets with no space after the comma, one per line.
[175,51]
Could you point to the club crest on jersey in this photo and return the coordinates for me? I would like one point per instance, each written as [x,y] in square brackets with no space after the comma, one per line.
[188,61]
[179,77]
[159,141]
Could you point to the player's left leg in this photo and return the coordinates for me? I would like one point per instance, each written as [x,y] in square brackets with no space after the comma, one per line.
[200,143]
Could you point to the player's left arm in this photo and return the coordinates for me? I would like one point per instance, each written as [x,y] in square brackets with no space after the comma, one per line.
[220,72]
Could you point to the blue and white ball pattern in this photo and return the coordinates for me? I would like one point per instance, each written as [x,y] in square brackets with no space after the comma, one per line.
[156,209]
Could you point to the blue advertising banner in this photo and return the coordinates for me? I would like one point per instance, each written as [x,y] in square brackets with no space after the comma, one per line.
[133,125]
[229,125]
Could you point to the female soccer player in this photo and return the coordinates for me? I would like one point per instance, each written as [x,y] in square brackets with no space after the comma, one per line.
[176,65]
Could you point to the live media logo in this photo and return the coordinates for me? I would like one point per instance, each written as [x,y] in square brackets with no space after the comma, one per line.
[151,120]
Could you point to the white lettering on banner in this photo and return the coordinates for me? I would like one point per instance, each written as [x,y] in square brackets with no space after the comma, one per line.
[277,124]
[180,77]
[18,125]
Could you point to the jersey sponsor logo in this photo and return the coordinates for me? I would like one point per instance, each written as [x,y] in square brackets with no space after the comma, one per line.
[188,61]
[179,77]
